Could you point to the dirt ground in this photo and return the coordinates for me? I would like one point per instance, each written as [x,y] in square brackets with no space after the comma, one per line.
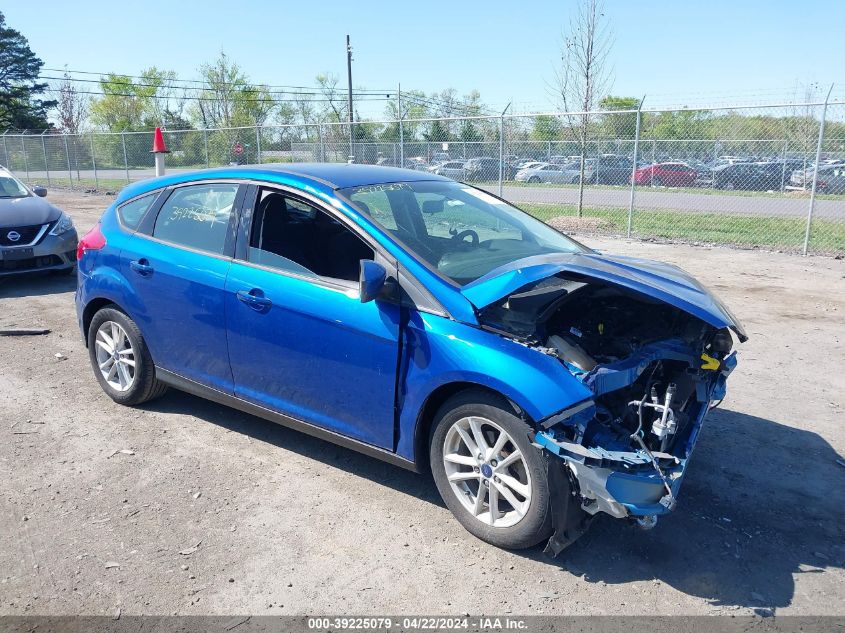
[185,506]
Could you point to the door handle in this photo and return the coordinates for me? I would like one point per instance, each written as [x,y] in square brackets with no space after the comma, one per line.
[142,267]
[255,299]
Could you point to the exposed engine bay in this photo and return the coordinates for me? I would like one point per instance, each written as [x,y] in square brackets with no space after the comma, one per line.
[653,370]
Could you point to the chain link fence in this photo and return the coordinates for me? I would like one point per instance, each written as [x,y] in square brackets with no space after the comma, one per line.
[770,177]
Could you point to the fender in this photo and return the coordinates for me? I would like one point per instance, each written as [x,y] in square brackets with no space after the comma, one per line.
[438,351]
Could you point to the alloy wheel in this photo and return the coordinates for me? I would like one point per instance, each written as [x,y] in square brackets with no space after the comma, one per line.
[487,472]
[115,356]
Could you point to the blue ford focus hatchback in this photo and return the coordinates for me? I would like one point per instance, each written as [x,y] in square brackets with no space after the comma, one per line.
[418,320]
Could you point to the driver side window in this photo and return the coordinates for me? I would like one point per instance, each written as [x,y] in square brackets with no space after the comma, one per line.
[291,235]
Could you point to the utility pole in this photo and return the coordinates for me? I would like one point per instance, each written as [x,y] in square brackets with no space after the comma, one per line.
[351,113]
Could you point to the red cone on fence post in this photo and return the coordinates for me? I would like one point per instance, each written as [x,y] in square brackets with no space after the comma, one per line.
[159,149]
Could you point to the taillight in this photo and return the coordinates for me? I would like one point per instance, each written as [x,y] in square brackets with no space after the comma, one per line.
[93,240]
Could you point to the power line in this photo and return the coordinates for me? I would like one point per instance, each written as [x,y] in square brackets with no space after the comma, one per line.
[198,81]
[213,100]
[166,85]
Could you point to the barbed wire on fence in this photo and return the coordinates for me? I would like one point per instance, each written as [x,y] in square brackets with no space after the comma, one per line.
[767,176]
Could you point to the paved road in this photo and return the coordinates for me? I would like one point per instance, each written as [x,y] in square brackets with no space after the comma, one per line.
[785,206]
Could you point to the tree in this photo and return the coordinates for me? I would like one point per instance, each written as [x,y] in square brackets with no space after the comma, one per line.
[546,128]
[71,106]
[414,106]
[19,86]
[583,75]
[619,125]
[129,106]
[229,99]
[336,108]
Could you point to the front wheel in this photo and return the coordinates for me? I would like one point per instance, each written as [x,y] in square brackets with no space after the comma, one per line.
[488,473]
[121,360]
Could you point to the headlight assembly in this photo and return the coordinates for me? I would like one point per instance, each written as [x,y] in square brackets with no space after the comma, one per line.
[64,225]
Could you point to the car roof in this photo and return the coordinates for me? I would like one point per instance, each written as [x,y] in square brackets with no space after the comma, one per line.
[333,175]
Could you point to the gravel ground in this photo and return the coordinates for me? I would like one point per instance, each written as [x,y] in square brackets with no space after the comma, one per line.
[184,506]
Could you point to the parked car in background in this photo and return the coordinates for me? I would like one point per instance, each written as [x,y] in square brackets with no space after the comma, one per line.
[530,164]
[453,169]
[34,234]
[613,169]
[563,160]
[749,176]
[417,320]
[440,157]
[666,175]
[567,174]
[417,163]
[484,168]
[829,180]
[832,179]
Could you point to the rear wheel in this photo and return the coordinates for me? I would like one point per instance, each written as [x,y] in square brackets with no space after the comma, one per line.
[121,360]
[488,473]
[656,182]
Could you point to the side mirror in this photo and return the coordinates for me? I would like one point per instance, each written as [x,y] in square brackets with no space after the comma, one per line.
[39,191]
[371,279]
[432,206]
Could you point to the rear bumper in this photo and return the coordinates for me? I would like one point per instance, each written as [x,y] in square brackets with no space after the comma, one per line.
[54,252]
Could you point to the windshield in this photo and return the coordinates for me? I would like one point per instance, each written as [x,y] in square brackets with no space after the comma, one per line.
[11,187]
[462,232]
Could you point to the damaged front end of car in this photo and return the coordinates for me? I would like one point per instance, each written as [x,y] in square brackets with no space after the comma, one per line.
[655,362]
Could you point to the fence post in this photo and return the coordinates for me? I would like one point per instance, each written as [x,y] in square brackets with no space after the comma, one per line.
[501,147]
[5,152]
[634,167]
[322,146]
[25,161]
[783,168]
[125,157]
[205,143]
[94,163]
[258,143]
[816,173]
[501,150]
[67,158]
[401,133]
[46,162]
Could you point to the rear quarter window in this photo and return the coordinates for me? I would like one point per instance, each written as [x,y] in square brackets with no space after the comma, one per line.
[132,212]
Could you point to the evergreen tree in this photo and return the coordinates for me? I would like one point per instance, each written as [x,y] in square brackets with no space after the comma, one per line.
[19,86]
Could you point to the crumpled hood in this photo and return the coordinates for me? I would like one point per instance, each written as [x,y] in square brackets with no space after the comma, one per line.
[27,211]
[658,280]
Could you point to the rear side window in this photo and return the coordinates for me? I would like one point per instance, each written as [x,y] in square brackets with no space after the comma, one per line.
[197,216]
[131,213]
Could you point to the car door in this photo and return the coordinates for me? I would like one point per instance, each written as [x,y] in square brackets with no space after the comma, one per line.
[552,173]
[301,343]
[176,264]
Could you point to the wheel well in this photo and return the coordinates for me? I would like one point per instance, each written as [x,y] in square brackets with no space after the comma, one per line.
[435,400]
[94,306]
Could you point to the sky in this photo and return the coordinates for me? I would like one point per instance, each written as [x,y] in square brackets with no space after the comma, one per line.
[676,53]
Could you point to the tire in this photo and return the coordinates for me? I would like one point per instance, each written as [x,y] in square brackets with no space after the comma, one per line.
[534,179]
[516,526]
[656,182]
[144,386]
